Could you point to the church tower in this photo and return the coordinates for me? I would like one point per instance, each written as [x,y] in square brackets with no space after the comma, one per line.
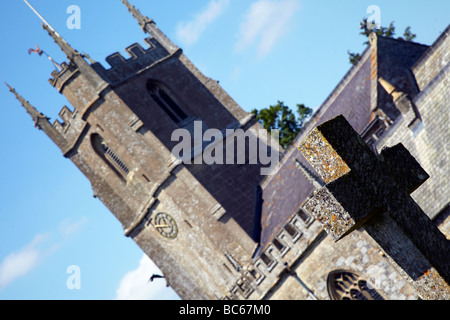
[199,223]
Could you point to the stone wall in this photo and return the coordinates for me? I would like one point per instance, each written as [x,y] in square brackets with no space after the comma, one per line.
[433,61]
[357,253]
[427,140]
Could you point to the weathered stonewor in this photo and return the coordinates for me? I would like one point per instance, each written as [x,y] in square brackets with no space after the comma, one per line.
[364,189]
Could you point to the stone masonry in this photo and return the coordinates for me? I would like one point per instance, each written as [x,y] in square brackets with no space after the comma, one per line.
[226,231]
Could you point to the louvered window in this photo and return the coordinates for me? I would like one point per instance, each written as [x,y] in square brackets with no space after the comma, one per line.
[109,156]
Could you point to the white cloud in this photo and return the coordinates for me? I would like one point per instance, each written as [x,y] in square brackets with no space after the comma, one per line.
[18,264]
[135,285]
[189,32]
[68,227]
[236,73]
[266,21]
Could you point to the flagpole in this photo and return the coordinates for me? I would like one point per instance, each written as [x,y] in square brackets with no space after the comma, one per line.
[40,17]
[57,66]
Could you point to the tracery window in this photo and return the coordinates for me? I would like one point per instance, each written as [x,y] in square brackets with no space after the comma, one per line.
[346,285]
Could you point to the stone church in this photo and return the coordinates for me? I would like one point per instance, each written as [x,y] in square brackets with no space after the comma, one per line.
[226,231]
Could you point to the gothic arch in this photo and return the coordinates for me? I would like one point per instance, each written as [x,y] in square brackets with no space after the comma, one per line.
[166,100]
[347,285]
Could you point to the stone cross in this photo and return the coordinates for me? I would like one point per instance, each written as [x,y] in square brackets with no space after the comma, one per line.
[373,191]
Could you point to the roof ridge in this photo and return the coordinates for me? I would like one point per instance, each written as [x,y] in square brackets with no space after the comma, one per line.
[436,43]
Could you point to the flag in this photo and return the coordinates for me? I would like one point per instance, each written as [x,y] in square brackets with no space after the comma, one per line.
[41,52]
[37,50]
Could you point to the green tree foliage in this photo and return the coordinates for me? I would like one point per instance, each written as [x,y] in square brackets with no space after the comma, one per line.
[408,35]
[353,57]
[387,32]
[280,117]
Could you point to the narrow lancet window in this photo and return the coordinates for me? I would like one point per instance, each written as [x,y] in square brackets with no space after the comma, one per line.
[166,102]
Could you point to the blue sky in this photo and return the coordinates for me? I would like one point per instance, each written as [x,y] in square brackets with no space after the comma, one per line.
[260,50]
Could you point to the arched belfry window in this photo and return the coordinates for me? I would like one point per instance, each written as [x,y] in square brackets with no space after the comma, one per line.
[166,101]
[109,156]
[346,285]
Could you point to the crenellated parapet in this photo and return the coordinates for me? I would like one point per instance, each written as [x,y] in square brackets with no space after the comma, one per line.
[121,68]
[140,59]
[67,117]
[59,78]
[266,271]
[71,128]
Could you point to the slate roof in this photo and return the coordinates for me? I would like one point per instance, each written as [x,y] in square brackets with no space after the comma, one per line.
[283,196]
[395,61]
[285,192]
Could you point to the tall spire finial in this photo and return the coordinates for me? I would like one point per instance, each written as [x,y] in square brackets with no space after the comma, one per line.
[40,120]
[149,26]
[75,58]
[35,115]
[142,20]
[70,52]
[65,47]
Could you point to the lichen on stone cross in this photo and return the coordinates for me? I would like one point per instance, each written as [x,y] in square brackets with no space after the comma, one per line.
[354,173]
[362,186]
[339,155]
